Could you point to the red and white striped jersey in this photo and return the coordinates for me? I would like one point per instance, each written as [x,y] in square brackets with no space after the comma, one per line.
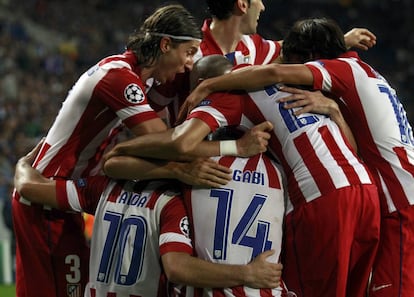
[108,93]
[135,224]
[252,49]
[315,156]
[236,222]
[377,119]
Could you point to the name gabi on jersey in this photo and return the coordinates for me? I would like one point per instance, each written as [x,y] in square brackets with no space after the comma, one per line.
[133,199]
[252,177]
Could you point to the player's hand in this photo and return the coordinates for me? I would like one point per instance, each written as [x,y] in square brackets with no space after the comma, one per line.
[195,97]
[255,140]
[309,101]
[264,274]
[203,172]
[360,38]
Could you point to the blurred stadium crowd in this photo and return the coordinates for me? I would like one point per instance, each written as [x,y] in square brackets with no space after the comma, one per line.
[46,45]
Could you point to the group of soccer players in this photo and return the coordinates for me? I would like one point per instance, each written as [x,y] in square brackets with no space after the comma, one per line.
[348,169]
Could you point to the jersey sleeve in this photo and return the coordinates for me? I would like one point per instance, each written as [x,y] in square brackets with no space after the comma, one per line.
[219,109]
[124,93]
[330,75]
[174,228]
[80,195]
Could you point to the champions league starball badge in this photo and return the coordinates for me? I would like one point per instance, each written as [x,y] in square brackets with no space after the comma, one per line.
[134,94]
[185,226]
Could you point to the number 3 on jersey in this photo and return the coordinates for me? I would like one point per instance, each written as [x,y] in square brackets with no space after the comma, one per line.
[258,243]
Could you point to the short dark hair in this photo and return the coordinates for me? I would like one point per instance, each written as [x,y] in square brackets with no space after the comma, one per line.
[221,9]
[209,66]
[314,38]
[171,19]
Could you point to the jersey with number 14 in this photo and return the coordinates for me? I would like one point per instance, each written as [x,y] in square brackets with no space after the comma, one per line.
[236,222]
[377,119]
[315,156]
[135,224]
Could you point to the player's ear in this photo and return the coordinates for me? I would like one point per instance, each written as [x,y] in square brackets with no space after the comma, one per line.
[165,44]
[242,6]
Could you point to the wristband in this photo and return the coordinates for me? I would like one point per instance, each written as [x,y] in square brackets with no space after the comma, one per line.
[228,148]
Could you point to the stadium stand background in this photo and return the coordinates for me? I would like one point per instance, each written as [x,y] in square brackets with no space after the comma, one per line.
[46,45]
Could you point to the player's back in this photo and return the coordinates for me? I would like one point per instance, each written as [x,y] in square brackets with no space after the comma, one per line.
[236,222]
[315,156]
[378,121]
[129,236]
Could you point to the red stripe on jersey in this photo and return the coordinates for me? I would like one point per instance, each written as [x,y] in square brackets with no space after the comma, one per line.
[252,163]
[218,293]
[153,199]
[93,292]
[61,195]
[143,117]
[45,147]
[313,164]
[111,294]
[339,157]
[101,150]
[272,174]
[402,156]
[266,292]
[114,195]
[238,291]
[263,48]
[368,69]
[226,161]
[157,193]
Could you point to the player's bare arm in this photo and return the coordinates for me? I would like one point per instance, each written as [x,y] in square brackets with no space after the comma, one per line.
[185,142]
[201,172]
[30,184]
[248,78]
[184,269]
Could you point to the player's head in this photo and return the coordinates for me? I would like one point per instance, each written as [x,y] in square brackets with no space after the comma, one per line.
[207,67]
[249,10]
[221,9]
[312,39]
[168,39]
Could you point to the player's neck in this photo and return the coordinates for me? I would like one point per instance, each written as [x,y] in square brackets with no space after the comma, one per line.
[226,33]
[146,73]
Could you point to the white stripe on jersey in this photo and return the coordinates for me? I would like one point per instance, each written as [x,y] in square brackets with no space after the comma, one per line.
[73,197]
[247,40]
[172,237]
[272,51]
[220,117]
[125,113]
[115,64]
